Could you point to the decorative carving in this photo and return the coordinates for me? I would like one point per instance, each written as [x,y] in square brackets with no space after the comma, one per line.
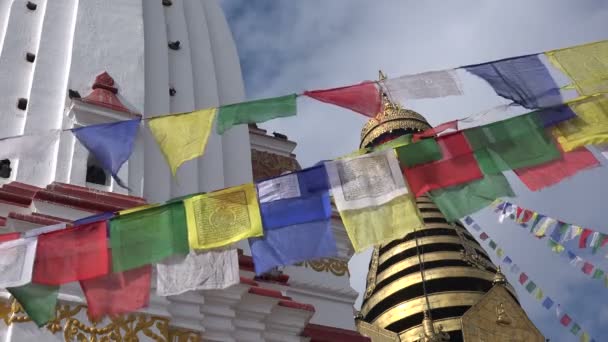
[372,273]
[336,267]
[470,255]
[266,165]
[501,315]
[183,335]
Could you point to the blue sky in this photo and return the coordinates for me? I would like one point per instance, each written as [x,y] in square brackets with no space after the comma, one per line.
[290,46]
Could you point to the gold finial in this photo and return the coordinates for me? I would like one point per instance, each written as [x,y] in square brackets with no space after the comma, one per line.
[499,278]
[429,334]
[381,75]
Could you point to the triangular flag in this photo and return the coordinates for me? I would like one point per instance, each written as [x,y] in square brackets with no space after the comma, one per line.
[17,262]
[110,143]
[38,301]
[362,98]
[184,136]
[255,111]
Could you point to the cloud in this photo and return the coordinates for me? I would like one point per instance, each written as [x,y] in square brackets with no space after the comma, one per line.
[290,46]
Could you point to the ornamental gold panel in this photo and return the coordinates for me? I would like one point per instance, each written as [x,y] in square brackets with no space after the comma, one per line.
[445,325]
[426,240]
[418,305]
[409,280]
[375,333]
[413,261]
[337,267]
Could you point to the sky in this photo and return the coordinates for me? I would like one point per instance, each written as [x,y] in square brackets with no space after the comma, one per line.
[291,46]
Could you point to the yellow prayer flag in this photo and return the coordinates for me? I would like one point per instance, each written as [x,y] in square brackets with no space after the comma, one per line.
[183,137]
[223,217]
[539,294]
[499,252]
[586,65]
[379,224]
[589,127]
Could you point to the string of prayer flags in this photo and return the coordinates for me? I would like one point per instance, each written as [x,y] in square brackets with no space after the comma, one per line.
[17,262]
[71,254]
[118,293]
[423,151]
[372,198]
[511,144]
[363,98]
[31,147]
[221,218]
[461,200]
[182,137]
[570,163]
[524,80]
[296,212]
[425,85]
[208,270]
[457,166]
[148,236]
[38,301]
[586,65]
[110,143]
[255,111]
[589,127]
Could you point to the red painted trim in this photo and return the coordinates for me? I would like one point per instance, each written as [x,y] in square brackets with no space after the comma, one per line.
[117,200]
[21,188]
[322,333]
[60,219]
[76,202]
[2,221]
[16,198]
[33,219]
[246,262]
[13,204]
[248,281]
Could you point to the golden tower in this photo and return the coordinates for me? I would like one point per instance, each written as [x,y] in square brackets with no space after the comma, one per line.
[437,283]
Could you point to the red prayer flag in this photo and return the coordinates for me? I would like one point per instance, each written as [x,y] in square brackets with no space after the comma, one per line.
[435,131]
[553,172]
[71,254]
[527,216]
[523,278]
[587,268]
[457,166]
[582,243]
[604,240]
[483,236]
[362,98]
[118,293]
[9,237]
[566,320]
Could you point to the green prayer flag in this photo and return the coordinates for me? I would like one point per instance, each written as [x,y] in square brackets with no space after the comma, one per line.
[395,143]
[148,236]
[492,244]
[530,287]
[575,329]
[555,247]
[598,273]
[512,144]
[255,111]
[38,301]
[423,151]
[465,199]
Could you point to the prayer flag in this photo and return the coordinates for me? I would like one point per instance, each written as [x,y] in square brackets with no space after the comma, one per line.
[182,137]
[542,229]
[565,320]
[476,227]
[589,127]
[584,337]
[530,287]
[559,231]
[363,98]
[460,200]
[575,329]
[523,278]
[44,230]
[457,166]
[598,273]
[507,260]
[220,218]
[514,269]
[525,80]
[435,131]
[292,244]
[499,252]
[552,116]
[209,270]
[148,236]
[17,261]
[71,254]
[582,243]
[110,143]
[38,301]
[576,261]
[402,140]
[556,247]
[595,239]
[423,151]
[468,220]
[93,218]
[30,147]
[9,237]
[117,293]
[365,181]
[548,303]
[587,267]
[567,165]
[511,144]
[586,65]
[425,85]
[483,236]
[380,224]
[295,198]
[256,111]
[492,244]
[539,294]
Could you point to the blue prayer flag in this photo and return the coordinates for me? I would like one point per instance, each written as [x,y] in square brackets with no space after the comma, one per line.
[289,245]
[548,303]
[552,116]
[93,218]
[110,143]
[295,198]
[476,227]
[468,220]
[507,260]
[571,255]
[524,80]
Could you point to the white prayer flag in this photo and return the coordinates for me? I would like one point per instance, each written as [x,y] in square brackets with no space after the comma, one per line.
[28,146]
[44,230]
[424,85]
[365,181]
[595,237]
[283,187]
[209,270]
[17,262]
